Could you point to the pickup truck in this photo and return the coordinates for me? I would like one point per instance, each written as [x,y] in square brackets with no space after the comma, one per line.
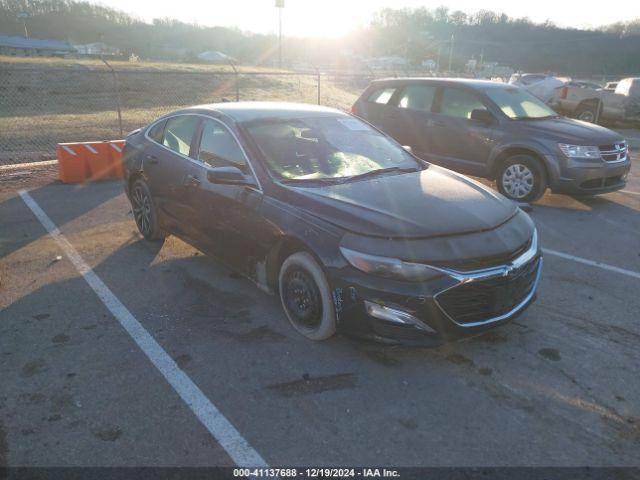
[592,105]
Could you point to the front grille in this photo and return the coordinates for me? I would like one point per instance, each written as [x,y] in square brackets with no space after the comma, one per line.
[483,300]
[614,153]
[470,265]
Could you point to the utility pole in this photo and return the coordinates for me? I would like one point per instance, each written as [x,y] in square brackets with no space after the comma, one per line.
[451,52]
[23,16]
[279,6]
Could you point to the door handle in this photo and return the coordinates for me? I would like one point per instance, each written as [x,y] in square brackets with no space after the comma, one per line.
[152,158]
[192,181]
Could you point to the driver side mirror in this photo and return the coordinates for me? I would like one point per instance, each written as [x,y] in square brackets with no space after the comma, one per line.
[483,116]
[229,176]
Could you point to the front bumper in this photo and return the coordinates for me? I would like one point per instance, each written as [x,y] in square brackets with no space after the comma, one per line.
[353,290]
[589,178]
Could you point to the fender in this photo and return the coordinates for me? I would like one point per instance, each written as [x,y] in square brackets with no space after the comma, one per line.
[540,150]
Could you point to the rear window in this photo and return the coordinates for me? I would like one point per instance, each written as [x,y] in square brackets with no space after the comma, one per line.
[157,131]
[382,95]
[179,133]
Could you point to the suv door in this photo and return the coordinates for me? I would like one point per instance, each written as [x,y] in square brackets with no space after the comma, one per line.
[412,117]
[228,223]
[457,142]
[166,164]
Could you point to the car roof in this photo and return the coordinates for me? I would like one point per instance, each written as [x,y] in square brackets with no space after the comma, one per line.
[246,111]
[466,82]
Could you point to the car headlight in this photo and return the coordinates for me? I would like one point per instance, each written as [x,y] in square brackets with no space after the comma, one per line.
[579,151]
[389,267]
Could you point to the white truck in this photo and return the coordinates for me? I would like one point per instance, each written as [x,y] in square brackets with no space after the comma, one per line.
[595,105]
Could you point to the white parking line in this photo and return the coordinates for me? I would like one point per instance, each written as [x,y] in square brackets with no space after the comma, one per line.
[592,263]
[629,192]
[222,430]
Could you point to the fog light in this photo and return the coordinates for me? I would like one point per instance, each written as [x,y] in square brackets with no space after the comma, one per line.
[395,316]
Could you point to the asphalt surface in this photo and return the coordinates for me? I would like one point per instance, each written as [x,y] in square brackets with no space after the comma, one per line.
[557,387]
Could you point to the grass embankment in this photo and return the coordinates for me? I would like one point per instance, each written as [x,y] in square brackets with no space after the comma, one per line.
[47,101]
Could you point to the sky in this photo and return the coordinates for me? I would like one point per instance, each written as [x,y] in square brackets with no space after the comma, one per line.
[332,18]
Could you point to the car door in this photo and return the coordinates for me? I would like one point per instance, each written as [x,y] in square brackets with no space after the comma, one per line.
[412,117]
[228,224]
[166,165]
[457,141]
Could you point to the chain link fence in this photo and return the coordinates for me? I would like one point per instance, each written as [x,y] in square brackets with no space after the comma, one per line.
[40,107]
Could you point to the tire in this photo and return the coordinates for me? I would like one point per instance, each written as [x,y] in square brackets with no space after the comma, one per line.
[522,178]
[587,113]
[145,213]
[306,298]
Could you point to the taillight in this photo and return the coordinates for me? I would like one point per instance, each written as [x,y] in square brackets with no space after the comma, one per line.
[354,109]
[563,92]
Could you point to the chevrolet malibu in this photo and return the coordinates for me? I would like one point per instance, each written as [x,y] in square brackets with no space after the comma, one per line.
[350,230]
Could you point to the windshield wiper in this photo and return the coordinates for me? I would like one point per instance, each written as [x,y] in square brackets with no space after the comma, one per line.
[546,117]
[306,181]
[381,171]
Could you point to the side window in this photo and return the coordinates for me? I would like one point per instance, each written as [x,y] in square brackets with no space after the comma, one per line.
[459,103]
[157,131]
[417,97]
[179,132]
[219,148]
[381,96]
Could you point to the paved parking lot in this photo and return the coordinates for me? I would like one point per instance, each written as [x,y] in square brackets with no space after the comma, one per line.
[558,386]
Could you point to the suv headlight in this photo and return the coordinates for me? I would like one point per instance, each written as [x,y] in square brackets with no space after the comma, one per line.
[579,151]
[389,267]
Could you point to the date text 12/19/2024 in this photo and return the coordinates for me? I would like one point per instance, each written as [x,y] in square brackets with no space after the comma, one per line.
[315,473]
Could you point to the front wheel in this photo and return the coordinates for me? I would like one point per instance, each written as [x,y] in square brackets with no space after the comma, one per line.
[306,297]
[522,178]
[144,212]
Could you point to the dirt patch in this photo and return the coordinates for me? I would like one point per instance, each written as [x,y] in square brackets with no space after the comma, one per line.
[60,338]
[460,359]
[33,368]
[183,361]
[4,447]
[550,354]
[308,385]
[110,433]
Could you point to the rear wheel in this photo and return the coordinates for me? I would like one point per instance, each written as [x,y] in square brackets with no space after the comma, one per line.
[587,113]
[144,212]
[306,298]
[522,178]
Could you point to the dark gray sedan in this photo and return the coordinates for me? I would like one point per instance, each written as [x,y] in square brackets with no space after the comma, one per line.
[354,233]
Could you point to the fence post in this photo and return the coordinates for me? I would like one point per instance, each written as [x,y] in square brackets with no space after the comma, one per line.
[117,87]
[237,78]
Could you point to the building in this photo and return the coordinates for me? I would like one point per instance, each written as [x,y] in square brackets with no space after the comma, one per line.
[97,48]
[212,56]
[33,47]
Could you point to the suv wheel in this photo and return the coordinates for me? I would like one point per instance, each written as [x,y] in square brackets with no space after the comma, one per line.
[522,178]
[306,298]
[144,212]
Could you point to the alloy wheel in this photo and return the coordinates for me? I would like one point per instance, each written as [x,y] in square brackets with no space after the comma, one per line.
[517,180]
[141,204]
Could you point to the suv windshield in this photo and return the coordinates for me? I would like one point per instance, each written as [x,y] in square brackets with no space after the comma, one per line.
[517,103]
[327,149]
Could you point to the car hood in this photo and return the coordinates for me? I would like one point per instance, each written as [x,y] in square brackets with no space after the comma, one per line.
[429,203]
[568,130]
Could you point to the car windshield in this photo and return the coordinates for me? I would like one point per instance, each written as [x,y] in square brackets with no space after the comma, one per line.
[327,149]
[517,103]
